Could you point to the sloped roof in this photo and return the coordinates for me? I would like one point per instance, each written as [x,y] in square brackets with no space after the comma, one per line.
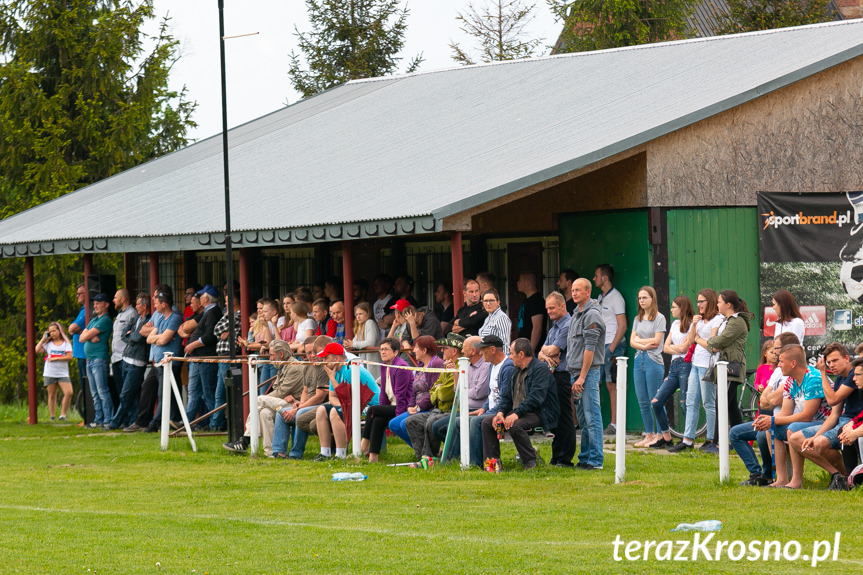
[392,156]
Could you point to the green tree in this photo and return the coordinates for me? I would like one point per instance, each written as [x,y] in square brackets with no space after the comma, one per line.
[753,15]
[349,40]
[600,24]
[83,95]
[499,26]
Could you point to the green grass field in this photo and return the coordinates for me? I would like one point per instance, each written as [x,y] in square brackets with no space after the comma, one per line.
[77,501]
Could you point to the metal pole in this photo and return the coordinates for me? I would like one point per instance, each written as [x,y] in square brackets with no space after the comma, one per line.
[32,397]
[620,447]
[253,404]
[355,407]
[348,286]
[457,271]
[165,403]
[464,408]
[722,415]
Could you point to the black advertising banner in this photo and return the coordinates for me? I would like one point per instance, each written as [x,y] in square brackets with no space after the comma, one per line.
[812,245]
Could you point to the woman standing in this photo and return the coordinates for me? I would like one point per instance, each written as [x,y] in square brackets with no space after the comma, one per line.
[730,342]
[425,350]
[366,334]
[58,354]
[788,317]
[704,326]
[648,331]
[677,346]
[395,396]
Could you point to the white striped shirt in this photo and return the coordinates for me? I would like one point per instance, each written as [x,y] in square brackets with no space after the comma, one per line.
[499,324]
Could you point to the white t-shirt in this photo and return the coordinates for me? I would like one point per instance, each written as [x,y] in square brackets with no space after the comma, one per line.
[795,326]
[612,305]
[308,324]
[701,357]
[677,337]
[59,369]
[494,387]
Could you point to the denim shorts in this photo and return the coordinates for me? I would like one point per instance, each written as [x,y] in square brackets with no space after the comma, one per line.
[56,380]
[831,435]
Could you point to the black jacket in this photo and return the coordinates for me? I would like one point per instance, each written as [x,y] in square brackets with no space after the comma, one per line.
[540,395]
[204,332]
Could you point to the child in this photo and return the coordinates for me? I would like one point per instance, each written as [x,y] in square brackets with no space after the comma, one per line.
[766,366]
[58,354]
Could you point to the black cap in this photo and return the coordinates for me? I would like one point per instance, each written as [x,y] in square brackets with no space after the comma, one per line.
[491,340]
[101,297]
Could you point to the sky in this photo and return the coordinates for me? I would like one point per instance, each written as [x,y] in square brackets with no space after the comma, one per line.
[256,66]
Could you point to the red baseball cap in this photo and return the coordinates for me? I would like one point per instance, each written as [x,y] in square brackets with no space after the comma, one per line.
[401,305]
[332,349]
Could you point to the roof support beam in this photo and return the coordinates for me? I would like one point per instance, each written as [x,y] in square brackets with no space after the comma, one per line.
[348,286]
[457,271]
[32,398]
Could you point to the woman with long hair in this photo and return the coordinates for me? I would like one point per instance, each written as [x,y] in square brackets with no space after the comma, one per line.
[425,350]
[58,354]
[395,397]
[305,326]
[730,342]
[788,316]
[677,346]
[366,335]
[704,325]
[648,332]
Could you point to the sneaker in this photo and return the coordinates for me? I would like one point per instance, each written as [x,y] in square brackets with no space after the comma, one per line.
[838,482]
[52,418]
[134,428]
[662,444]
[279,456]
[756,480]
[709,447]
[93,425]
[610,430]
[587,466]
[62,418]
[680,447]
[238,446]
[107,427]
[321,457]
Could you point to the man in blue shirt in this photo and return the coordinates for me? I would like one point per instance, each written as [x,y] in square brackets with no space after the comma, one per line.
[96,338]
[163,338]
[330,420]
[553,353]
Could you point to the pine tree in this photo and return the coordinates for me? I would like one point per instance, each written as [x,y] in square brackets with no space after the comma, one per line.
[754,15]
[349,39]
[499,26]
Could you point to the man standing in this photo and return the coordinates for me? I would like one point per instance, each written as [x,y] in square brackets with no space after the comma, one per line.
[585,355]
[126,316]
[564,284]
[96,338]
[471,316]
[443,297]
[531,314]
[497,323]
[202,343]
[223,349]
[614,315]
[553,353]
[75,329]
[135,356]
[530,400]
[163,338]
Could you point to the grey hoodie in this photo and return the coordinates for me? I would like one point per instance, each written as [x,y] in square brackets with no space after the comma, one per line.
[586,333]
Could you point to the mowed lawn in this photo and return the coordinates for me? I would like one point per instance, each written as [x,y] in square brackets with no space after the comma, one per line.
[77,501]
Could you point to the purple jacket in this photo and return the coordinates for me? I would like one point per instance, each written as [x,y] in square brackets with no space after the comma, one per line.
[423,382]
[403,386]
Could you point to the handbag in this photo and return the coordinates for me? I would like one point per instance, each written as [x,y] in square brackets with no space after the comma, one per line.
[734,369]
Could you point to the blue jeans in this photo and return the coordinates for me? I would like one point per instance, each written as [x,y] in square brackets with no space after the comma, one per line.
[698,391]
[677,377]
[219,421]
[133,377]
[739,437]
[646,378]
[202,388]
[590,418]
[265,372]
[610,355]
[300,435]
[103,407]
[397,426]
[282,432]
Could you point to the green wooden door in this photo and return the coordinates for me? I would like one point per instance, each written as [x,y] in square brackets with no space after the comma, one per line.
[622,240]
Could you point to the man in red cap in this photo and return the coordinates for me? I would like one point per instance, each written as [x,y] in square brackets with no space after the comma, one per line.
[329,417]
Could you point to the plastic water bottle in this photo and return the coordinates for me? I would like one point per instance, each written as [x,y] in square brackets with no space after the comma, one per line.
[344,476]
[709,525]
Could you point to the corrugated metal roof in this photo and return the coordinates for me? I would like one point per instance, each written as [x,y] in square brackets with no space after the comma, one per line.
[399,154]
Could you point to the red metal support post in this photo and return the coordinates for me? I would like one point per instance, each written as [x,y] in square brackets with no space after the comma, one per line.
[457,272]
[88,271]
[348,286]
[154,271]
[245,306]
[31,340]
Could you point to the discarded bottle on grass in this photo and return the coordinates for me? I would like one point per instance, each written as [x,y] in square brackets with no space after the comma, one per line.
[709,525]
[344,476]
